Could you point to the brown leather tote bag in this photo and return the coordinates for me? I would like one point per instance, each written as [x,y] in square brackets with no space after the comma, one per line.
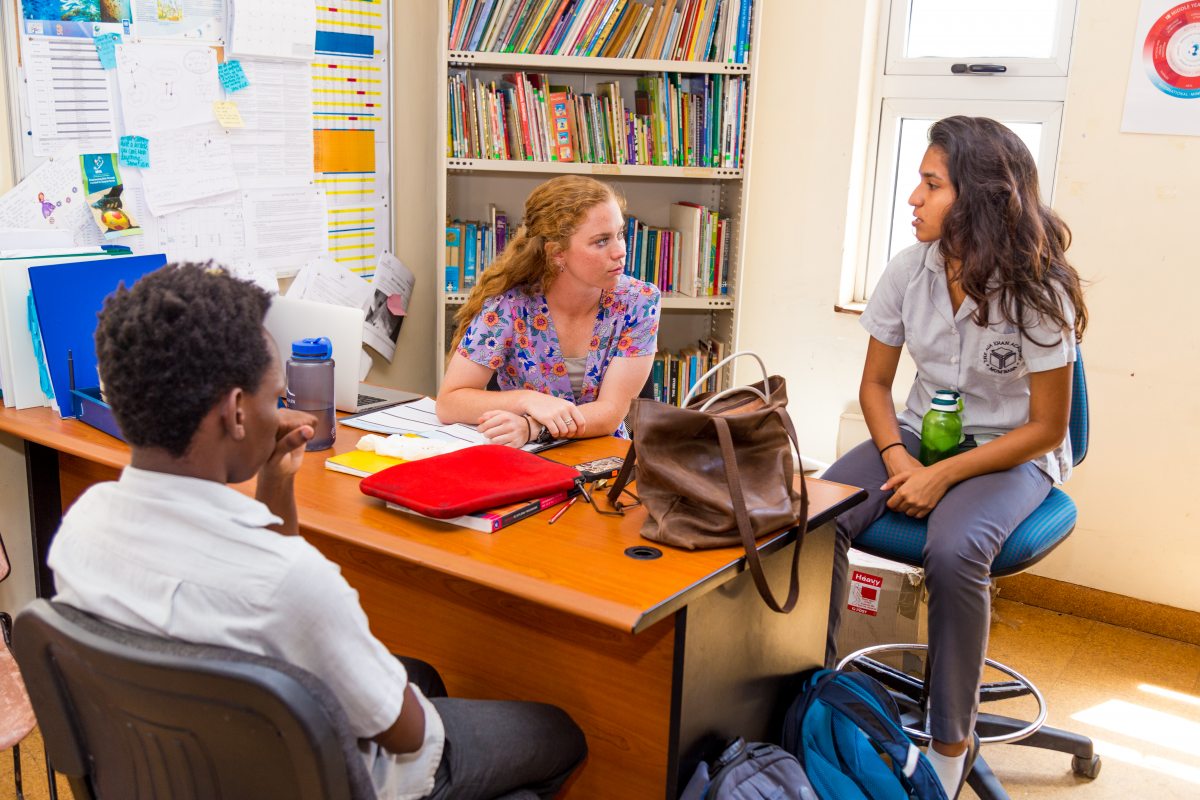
[718,472]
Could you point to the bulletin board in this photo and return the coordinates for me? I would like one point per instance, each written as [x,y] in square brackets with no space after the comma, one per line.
[263,165]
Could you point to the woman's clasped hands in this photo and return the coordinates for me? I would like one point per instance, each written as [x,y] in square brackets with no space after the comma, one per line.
[562,419]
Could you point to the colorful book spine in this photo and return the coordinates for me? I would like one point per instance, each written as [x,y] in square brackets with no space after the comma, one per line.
[743,33]
[453,253]
[470,254]
[492,521]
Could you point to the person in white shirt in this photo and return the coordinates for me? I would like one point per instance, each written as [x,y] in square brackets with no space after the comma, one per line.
[171,549]
[988,306]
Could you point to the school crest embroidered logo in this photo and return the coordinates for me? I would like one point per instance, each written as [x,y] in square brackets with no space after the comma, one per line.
[1002,357]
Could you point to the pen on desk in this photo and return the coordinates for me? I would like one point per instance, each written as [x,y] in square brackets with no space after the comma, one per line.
[563,510]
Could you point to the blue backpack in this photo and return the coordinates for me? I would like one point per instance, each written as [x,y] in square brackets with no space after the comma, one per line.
[845,729]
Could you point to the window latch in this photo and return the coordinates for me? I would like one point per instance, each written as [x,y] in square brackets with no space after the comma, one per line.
[977,69]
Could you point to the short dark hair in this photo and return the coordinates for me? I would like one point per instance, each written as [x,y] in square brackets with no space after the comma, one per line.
[171,346]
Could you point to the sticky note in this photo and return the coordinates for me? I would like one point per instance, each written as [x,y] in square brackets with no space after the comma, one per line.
[135,151]
[228,114]
[106,48]
[232,76]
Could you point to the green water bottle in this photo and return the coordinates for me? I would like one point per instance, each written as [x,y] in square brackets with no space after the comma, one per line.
[941,427]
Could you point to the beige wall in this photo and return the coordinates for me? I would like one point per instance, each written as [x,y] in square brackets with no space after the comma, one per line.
[1130,201]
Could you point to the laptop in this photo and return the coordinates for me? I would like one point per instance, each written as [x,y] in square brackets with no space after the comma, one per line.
[289,319]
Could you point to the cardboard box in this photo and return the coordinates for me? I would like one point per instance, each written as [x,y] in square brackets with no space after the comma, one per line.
[885,604]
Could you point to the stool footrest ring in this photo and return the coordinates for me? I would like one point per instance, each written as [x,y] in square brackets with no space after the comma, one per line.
[1018,686]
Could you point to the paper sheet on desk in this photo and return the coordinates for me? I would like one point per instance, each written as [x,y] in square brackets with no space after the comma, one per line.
[420,418]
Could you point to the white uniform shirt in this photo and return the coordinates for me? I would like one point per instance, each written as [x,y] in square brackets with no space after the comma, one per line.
[988,366]
[192,559]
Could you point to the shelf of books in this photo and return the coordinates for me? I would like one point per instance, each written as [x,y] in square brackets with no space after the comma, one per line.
[590,64]
[600,170]
[654,97]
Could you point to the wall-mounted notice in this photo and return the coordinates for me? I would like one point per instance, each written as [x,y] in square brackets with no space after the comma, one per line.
[1163,95]
[351,108]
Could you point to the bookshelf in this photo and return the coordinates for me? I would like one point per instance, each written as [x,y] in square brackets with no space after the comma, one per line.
[469,185]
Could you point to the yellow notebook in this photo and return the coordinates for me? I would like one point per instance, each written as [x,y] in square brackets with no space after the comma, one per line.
[361,463]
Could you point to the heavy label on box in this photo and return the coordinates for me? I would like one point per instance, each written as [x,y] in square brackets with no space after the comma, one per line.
[864,593]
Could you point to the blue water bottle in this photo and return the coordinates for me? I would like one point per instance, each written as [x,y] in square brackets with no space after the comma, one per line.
[310,387]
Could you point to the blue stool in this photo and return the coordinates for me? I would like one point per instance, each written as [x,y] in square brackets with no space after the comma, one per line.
[901,538]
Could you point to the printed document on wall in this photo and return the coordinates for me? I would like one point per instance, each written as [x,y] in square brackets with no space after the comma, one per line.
[285,226]
[1163,95]
[189,167]
[393,287]
[166,86]
[202,20]
[52,198]
[70,99]
[276,145]
[351,113]
[323,281]
[263,28]
[216,232]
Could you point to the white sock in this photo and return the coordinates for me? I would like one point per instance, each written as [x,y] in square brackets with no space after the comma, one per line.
[948,768]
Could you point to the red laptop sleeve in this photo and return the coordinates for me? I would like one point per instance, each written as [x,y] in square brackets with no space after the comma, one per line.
[469,480]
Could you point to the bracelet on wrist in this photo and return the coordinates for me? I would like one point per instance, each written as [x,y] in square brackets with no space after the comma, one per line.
[883,450]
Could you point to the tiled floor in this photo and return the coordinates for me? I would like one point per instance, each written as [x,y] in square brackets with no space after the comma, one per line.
[1137,696]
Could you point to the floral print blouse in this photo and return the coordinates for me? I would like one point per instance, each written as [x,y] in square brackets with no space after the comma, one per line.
[514,335]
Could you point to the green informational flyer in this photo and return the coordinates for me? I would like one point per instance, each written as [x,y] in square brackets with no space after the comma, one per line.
[102,187]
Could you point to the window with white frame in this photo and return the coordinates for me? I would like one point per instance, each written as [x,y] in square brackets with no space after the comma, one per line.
[1005,59]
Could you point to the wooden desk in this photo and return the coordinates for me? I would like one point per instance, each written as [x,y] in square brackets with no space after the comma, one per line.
[657,660]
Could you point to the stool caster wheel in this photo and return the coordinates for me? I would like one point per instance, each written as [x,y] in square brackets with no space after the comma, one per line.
[1086,767]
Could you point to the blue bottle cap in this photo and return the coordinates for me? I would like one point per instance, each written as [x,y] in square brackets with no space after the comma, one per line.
[315,349]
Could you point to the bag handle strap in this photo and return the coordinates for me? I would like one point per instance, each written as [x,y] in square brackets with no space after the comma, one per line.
[721,365]
[618,485]
[729,456]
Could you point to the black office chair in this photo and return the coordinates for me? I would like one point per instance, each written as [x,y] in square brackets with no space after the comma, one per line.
[901,538]
[131,716]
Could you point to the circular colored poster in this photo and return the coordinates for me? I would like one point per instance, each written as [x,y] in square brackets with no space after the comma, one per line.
[1172,51]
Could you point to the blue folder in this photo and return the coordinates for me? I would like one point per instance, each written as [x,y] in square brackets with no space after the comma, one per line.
[68,297]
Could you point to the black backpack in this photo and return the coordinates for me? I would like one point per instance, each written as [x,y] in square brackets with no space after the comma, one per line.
[755,771]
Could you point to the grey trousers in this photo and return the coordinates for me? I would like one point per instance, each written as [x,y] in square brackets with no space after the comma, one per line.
[499,749]
[965,533]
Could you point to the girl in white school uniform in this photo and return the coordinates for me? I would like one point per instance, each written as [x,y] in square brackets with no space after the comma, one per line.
[988,306]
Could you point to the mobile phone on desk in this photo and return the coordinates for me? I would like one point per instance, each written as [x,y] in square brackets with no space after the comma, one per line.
[600,468]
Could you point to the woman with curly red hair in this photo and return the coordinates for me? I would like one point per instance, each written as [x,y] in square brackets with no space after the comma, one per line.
[568,336]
